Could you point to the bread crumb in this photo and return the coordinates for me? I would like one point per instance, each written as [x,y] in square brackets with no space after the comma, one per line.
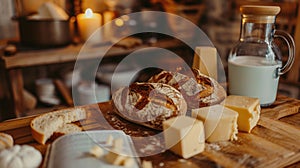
[161,164]
[149,147]
[212,146]
[181,160]
[147,164]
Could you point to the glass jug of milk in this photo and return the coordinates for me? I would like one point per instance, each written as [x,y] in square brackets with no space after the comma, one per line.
[255,64]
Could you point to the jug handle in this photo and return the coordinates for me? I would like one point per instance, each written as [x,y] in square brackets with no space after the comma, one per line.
[291,46]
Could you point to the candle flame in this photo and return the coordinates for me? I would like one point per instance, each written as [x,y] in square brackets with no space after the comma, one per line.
[88,13]
[119,22]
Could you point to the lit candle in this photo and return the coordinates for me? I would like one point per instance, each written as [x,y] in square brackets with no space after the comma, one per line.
[88,23]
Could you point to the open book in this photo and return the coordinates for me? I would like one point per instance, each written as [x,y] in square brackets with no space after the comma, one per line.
[73,151]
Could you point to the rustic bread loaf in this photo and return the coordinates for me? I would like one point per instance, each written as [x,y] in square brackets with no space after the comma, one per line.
[43,126]
[149,104]
[6,141]
[198,89]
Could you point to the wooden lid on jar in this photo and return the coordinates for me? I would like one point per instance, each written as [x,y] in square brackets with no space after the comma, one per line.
[259,10]
[259,14]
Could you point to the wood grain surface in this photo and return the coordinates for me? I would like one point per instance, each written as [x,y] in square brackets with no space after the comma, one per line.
[274,142]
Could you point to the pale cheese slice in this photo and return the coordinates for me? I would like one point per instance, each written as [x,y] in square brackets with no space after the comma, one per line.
[205,59]
[248,109]
[184,136]
[220,123]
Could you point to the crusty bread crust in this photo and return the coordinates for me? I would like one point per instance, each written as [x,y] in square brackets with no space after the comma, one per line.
[38,136]
[149,104]
[43,126]
[198,89]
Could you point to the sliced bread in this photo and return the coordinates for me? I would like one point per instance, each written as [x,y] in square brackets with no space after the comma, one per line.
[68,129]
[43,126]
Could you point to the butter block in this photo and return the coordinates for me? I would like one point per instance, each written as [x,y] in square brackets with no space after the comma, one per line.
[118,144]
[109,140]
[96,151]
[205,59]
[248,109]
[220,123]
[115,158]
[184,136]
[128,162]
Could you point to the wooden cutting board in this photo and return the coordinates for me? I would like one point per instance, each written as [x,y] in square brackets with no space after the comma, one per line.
[274,142]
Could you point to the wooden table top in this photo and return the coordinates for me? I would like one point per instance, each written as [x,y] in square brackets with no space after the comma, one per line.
[274,142]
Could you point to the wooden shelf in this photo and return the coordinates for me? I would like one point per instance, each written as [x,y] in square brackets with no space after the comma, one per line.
[71,52]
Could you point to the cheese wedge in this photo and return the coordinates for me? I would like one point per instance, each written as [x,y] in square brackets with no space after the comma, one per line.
[248,109]
[220,123]
[205,60]
[184,136]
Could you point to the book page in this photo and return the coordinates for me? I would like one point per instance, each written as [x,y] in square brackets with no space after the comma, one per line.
[73,150]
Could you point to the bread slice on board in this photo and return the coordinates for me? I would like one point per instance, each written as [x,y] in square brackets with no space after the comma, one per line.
[43,126]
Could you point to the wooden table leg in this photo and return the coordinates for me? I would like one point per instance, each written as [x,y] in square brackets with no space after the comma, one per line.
[15,86]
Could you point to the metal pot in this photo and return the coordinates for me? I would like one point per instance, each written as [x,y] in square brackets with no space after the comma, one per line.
[44,33]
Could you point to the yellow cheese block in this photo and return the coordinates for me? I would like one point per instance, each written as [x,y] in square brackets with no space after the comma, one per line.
[184,136]
[248,109]
[220,123]
[205,60]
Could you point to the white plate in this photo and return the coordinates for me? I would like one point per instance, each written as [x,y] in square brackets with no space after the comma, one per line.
[71,151]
